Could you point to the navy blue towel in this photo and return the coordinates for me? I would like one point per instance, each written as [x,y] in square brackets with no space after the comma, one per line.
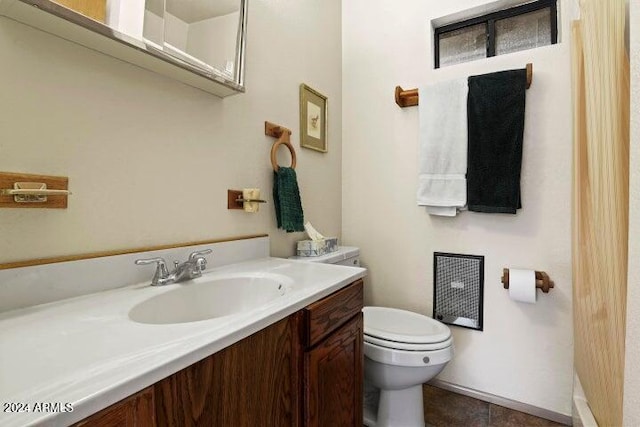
[495,114]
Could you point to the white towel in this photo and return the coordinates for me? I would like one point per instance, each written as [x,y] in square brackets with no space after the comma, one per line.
[442,186]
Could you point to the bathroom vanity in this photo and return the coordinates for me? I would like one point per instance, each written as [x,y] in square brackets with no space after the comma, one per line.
[254,341]
[305,369]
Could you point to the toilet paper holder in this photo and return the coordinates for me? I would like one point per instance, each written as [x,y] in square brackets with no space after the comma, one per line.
[542,280]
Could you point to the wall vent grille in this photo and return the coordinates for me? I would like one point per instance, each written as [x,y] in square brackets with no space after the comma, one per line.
[458,289]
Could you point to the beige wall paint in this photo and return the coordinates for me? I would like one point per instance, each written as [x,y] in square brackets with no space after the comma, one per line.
[525,351]
[631,408]
[150,159]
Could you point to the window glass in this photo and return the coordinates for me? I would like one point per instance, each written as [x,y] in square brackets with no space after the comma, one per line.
[465,44]
[523,32]
[527,26]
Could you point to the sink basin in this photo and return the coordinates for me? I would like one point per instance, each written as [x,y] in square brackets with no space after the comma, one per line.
[208,298]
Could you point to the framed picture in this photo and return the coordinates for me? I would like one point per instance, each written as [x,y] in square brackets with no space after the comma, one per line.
[313,119]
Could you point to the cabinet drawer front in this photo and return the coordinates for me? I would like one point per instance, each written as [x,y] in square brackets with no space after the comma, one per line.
[328,314]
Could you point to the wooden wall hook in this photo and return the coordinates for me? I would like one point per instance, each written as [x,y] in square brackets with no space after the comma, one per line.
[542,280]
[276,131]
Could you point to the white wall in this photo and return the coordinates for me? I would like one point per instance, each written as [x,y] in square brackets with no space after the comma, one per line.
[525,351]
[150,159]
[631,408]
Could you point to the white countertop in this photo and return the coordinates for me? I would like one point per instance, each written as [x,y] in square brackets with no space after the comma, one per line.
[86,352]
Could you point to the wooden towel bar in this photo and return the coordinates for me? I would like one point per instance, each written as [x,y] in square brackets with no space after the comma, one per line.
[409,98]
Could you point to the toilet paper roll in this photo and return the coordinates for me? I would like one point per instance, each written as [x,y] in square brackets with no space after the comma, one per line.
[522,285]
[251,194]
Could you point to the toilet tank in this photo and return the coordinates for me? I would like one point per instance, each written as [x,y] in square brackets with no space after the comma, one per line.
[345,255]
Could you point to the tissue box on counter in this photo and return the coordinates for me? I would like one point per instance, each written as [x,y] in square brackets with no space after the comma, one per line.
[317,247]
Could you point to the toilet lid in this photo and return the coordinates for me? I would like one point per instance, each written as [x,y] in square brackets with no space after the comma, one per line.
[403,326]
[394,345]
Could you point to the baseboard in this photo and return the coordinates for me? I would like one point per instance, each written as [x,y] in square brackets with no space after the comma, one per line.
[503,401]
[582,415]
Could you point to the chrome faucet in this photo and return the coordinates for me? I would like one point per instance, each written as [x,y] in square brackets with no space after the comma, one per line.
[190,269]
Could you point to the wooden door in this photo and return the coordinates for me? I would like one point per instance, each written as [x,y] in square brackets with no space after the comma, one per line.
[600,205]
[333,378]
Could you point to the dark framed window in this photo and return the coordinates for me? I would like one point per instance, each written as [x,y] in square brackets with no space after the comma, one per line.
[522,27]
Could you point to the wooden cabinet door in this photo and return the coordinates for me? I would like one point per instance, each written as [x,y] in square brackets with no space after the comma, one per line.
[333,378]
[254,382]
[134,411]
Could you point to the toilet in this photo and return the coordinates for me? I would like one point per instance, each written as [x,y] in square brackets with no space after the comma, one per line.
[402,351]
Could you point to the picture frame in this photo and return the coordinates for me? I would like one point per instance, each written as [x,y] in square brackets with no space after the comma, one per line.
[313,119]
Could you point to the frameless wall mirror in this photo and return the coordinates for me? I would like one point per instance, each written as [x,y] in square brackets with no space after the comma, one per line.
[199,42]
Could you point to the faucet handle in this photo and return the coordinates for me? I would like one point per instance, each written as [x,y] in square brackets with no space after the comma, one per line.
[197,254]
[161,269]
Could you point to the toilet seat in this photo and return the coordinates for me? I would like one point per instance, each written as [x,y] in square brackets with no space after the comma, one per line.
[403,327]
[407,346]
[411,358]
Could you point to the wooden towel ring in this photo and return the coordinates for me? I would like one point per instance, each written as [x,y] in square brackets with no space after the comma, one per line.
[283,135]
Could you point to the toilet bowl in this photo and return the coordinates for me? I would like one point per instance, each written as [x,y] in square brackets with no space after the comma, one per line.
[402,351]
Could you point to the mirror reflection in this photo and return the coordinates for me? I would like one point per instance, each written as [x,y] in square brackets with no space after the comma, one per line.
[202,33]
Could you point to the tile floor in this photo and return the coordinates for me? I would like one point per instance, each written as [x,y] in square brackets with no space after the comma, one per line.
[443,408]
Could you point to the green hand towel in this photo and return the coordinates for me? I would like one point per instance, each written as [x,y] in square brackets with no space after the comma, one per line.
[286,199]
